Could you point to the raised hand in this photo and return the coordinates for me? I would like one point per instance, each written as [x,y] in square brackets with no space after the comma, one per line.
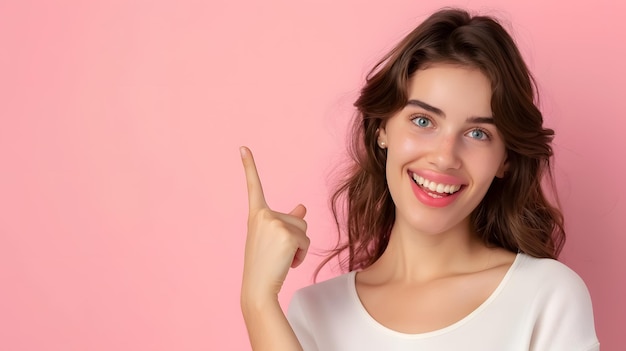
[275,241]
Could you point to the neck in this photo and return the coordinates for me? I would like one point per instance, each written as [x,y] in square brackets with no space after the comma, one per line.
[413,257]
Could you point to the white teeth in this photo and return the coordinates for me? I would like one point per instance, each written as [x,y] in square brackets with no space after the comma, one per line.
[432,186]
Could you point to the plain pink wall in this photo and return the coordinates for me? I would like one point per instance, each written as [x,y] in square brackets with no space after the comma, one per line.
[122,197]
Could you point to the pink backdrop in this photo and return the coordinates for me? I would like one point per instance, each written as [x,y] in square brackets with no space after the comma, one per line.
[122,197]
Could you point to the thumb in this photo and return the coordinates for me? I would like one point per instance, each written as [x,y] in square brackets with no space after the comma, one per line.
[299,211]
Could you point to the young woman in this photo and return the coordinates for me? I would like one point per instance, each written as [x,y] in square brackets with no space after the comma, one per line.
[450,241]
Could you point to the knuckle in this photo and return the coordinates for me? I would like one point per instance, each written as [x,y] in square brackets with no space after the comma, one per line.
[277,223]
[287,239]
[266,214]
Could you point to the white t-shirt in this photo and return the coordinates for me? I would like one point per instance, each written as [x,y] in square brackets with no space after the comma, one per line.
[540,305]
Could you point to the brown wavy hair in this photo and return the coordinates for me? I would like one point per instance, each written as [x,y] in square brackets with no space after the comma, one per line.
[515,214]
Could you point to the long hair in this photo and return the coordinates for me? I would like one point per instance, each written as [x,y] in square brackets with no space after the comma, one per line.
[515,213]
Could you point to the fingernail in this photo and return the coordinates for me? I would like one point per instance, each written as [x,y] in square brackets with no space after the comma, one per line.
[242,151]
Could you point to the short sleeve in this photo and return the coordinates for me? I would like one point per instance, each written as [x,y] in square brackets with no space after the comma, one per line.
[565,316]
[299,323]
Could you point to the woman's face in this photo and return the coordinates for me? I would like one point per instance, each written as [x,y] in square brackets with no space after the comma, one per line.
[443,150]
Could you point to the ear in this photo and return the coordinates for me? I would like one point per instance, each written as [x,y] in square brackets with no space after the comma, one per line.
[381,137]
[504,167]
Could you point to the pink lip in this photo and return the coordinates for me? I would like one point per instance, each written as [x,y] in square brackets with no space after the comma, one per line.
[422,194]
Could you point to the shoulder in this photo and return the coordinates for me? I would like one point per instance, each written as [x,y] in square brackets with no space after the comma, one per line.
[333,289]
[560,303]
[548,274]
[324,300]
[319,310]
[551,284]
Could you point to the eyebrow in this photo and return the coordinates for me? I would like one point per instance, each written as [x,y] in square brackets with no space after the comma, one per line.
[439,112]
[481,120]
[426,107]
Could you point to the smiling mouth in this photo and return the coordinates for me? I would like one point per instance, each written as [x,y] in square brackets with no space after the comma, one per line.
[436,190]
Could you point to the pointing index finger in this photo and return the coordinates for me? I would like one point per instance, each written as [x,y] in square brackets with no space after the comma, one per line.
[256,199]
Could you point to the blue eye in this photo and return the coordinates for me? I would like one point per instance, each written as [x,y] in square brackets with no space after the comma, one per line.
[478,134]
[422,122]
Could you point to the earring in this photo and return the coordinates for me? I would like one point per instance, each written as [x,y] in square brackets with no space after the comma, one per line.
[382,144]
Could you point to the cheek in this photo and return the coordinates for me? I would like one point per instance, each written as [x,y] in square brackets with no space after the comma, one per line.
[409,145]
[402,151]
[485,164]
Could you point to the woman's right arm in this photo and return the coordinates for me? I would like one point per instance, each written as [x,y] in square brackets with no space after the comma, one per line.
[275,242]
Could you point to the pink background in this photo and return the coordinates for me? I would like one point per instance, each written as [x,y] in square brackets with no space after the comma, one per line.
[122,197]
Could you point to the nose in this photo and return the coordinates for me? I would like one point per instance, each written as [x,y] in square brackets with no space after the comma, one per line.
[445,154]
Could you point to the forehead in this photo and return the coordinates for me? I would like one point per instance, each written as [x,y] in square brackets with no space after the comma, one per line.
[454,89]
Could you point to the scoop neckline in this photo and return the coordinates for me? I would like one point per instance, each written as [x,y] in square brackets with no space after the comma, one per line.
[368,317]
